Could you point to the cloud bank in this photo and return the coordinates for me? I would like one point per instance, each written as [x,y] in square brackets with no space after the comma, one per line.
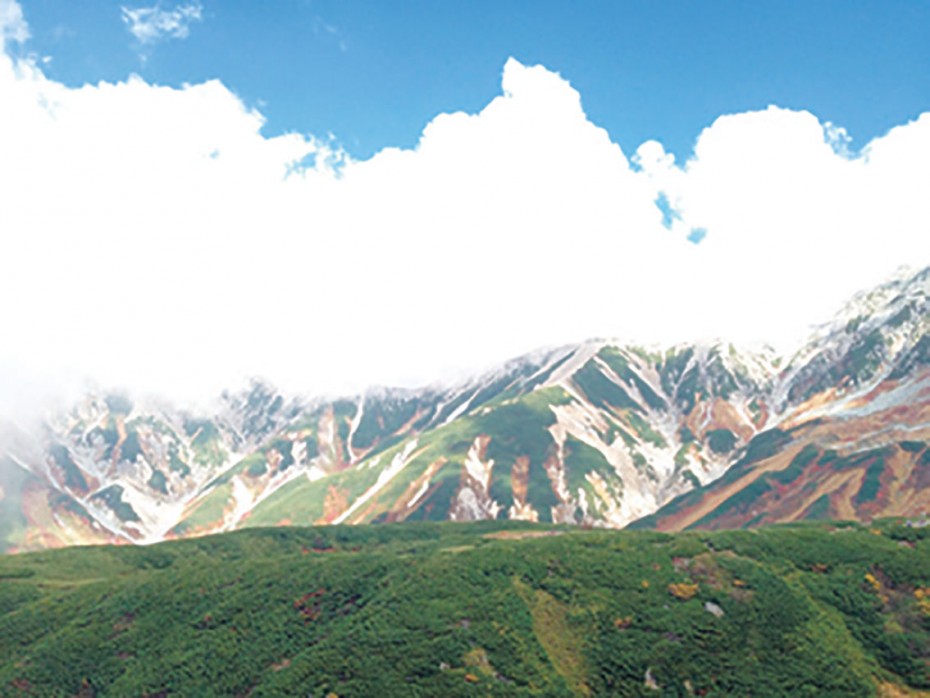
[154,238]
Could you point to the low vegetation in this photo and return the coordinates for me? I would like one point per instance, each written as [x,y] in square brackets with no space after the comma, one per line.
[479,609]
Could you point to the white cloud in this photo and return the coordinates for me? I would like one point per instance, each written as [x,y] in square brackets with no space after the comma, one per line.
[795,223]
[13,26]
[152,236]
[153,24]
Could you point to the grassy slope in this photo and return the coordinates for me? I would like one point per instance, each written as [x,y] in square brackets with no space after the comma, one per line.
[479,609]
[515,427]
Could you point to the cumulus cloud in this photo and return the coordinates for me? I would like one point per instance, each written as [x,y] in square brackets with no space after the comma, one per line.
[155,238]
[153,24]
[794,221]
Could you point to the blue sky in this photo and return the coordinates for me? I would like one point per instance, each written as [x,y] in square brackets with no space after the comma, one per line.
[332,195]
[374,73]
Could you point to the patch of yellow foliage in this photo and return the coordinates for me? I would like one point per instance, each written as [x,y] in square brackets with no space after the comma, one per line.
[623,622]
[890,690]
[873,582]
[922,594]
[683,591]
[557,636]
[477,659]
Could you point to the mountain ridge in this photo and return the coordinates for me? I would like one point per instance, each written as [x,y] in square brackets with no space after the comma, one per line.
[597,433]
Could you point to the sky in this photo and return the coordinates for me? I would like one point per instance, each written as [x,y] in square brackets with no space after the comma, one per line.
[333,195]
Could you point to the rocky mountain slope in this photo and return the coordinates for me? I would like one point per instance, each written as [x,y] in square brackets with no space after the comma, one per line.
[852,425]
[598,433]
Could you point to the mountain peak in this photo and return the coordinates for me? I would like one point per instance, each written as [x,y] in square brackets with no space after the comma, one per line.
[604,432]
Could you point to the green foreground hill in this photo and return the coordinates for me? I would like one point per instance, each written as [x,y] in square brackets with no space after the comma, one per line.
[476,609]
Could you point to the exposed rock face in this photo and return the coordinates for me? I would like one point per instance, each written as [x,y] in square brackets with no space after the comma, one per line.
[850,426]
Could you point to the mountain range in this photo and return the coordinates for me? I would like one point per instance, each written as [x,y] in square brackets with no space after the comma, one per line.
[601,433]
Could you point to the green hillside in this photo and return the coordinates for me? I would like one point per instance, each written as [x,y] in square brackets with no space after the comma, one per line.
[478,609]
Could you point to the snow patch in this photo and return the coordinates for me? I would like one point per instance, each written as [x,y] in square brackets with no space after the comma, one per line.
[353,427]
[243,501]
[419,495]
[582,355]
[479,470]
[384,477]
